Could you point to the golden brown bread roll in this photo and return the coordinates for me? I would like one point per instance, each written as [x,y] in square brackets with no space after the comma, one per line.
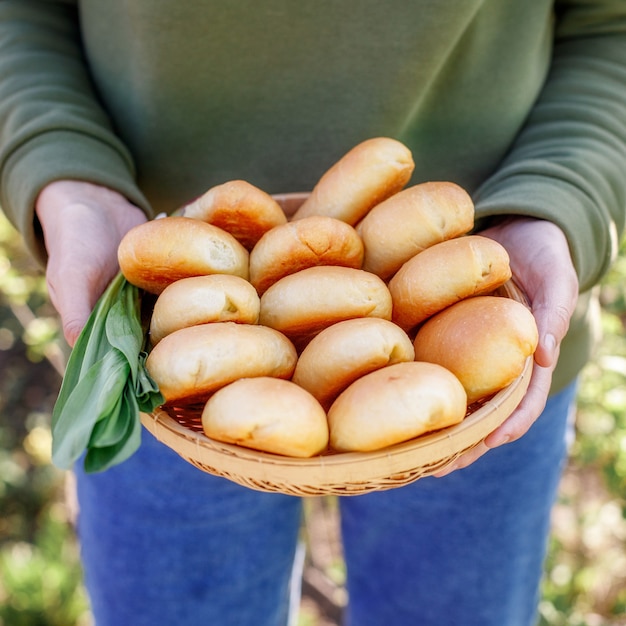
[348,350]
[411,221]
[192,363]
[484,341]
[368,174]
[302,304]
[395,404]
[267,414]
[312,241]
[444,274]
[161,251]
[203,299]
[239,208]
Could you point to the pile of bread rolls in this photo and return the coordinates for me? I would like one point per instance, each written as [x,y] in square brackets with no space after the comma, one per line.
[364,319]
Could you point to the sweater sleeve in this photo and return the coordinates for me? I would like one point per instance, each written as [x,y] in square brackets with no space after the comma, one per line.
[51,123]
[568,164]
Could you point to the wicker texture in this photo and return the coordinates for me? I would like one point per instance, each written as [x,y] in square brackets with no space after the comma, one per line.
[332,473]
[350,473]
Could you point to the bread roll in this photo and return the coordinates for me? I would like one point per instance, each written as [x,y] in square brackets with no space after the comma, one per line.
[302,304]
[161,251]
[348,350]
[267,414]
[395,404]
[368,174]
[311,241]
[203,299]
[239,208]
[411,221]
[444,274]
[484,341]
[192,363]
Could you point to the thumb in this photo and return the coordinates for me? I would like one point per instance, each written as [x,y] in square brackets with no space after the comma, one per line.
[552,311]
[74,313]
[73,297]
[72,327]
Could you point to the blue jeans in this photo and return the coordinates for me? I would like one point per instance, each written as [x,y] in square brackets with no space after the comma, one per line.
[164,544]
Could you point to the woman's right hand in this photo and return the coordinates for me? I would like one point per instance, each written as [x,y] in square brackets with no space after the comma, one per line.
[82,225]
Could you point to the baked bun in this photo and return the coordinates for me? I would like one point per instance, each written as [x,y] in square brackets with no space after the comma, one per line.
[411,221]
[484,341]
[267,414]
[239,208]
[395,404]
[348,350]
[203,299]
[368,174]
[302,304]
[156,253]
[192,363]
[311,241]
[444,274]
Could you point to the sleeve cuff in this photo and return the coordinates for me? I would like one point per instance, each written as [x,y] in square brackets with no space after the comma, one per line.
[593,238]
[60,155]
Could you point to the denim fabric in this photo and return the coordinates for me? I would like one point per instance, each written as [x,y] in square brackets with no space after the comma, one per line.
[465,550]
[164,544]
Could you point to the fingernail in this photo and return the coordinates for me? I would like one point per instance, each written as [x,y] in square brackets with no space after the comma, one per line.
[550,343]
[499,441]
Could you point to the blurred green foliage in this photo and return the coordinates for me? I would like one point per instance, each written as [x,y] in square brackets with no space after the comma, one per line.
[585,582]
[40,575]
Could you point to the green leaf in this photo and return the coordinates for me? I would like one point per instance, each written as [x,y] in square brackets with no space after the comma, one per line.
[99,459]
[111,429]
[123,328]
[106,385]
[146,390]
[97,344]
[90,347]
[92,399]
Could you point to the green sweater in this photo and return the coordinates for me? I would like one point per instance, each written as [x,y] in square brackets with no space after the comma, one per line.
[522,102]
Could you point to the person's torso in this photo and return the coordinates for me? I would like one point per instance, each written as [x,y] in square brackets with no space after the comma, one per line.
[273,92]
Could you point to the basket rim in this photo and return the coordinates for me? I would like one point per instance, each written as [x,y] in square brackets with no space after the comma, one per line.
[342,473]
[489,416]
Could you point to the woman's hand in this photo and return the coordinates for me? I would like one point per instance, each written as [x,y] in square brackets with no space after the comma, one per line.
[542,267]
[82,225]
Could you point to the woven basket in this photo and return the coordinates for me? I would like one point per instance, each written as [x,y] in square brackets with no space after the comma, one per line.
[333,473]
[348,473]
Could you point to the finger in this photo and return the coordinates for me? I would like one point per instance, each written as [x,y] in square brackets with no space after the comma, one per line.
[553,306]
[541,262]
[72,329]
[528,410]
[467,458]
[73,292]
[515,426]
[69,296]
[552,325]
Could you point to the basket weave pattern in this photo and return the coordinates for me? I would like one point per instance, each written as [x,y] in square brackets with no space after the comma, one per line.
[173,419]
[332,473]
[350,473]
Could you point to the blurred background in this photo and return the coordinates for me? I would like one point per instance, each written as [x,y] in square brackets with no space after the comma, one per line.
[40,575]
